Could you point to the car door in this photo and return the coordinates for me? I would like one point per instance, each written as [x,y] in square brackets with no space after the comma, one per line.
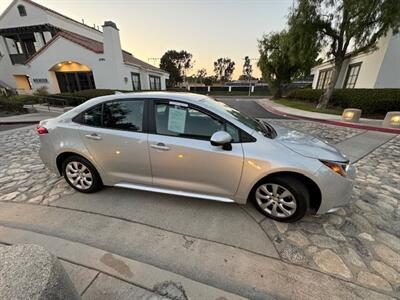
[114,135]
[182,157]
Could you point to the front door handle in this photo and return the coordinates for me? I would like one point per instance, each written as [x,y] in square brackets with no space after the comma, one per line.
[93,136]
[160,146]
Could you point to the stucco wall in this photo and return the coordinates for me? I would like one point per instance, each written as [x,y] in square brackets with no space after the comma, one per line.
[34,16]
[370,66]
[104,79]
[389,73]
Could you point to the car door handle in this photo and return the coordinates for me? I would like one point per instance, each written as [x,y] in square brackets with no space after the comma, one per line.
[93,136]
[160,146]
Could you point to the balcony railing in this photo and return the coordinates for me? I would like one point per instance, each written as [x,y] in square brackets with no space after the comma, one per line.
[18,58]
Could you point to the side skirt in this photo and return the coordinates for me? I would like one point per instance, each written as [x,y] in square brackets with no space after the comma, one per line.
[172,192]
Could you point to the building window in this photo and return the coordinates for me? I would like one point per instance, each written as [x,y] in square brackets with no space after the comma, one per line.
[136,81]
[22,10]
[155,82]
[324,78]
[352,75]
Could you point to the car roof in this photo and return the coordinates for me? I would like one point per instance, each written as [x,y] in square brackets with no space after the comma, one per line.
[189,97]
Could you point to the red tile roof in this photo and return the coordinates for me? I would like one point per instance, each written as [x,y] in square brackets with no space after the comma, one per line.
[96,47]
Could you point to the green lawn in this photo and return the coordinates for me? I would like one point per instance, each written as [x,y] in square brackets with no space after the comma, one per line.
[308,106]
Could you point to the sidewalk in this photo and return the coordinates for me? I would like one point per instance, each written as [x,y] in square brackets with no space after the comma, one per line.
[367,124]
[99,274]
[27,118]
[146,256]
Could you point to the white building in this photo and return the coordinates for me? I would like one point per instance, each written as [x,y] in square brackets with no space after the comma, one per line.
[41,48]
[374,69]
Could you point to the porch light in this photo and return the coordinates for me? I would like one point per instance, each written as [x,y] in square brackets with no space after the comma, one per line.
[351,115]
[392,119]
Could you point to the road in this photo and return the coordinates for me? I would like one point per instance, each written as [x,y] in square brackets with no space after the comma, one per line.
[249,107]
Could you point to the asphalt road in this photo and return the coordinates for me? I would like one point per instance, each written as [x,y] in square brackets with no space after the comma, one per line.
[250,108]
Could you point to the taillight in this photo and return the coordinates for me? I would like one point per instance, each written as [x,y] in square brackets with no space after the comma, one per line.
[41,130]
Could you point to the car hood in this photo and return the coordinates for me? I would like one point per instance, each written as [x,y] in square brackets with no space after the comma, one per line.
[307,145]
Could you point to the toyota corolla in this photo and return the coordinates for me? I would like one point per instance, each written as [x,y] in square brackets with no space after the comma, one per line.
[191,145]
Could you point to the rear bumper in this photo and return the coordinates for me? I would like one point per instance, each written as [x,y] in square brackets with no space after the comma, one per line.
[47,153]
[336,190]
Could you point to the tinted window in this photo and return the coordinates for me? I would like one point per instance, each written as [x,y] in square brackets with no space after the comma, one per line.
[189,122]
[124,115]
[92,117]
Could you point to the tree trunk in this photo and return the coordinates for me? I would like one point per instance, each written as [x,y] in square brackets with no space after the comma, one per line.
[326,96]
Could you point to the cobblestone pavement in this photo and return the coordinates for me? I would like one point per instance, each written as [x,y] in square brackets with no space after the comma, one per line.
[330,133]
[23,177]
[360,243]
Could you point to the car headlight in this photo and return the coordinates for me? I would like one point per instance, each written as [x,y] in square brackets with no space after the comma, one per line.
[337,167]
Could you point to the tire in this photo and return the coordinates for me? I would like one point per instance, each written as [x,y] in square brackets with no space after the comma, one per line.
[292,207]
[81,175]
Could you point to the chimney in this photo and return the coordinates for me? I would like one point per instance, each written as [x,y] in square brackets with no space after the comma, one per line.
[112,43]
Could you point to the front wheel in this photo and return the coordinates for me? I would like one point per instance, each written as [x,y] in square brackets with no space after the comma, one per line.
[81,174]
[281,198]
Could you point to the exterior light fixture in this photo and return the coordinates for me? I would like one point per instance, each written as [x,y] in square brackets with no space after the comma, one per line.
[392,119]
[351,115]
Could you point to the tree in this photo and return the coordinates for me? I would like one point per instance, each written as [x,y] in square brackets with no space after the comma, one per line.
[275,62]
[246,77]
[176,63]
[344,26]
[201,74]
[247,68]
[223,69]
[209,80]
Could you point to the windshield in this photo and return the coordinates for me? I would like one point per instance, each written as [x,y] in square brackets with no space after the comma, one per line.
[257,125]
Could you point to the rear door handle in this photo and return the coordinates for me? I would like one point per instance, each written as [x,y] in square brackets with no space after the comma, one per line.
[160,146]
[93,136]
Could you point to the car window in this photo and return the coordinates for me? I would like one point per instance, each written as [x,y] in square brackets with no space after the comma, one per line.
[124,115]
[92,117]
[188,122]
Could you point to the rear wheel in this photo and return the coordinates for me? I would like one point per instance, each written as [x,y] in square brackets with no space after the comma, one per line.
[81,174]
[283,199]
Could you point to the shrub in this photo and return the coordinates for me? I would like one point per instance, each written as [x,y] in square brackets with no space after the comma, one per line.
[7,105]
[370,101]
[24,99]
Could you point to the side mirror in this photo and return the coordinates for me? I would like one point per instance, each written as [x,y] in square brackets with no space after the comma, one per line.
[221,138]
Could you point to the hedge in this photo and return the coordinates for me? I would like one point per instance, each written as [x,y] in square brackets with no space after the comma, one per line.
[7,105]
[370,101]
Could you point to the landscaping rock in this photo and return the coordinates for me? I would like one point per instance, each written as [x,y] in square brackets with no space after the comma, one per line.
[329,262]
[31,272]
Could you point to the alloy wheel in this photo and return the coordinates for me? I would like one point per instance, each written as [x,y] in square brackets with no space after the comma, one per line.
[276,200]
[79,175]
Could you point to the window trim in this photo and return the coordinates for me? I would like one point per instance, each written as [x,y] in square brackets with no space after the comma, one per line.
[77,119]
[152,120]
[154,76]
[349,67]
[325,72]
[140,82]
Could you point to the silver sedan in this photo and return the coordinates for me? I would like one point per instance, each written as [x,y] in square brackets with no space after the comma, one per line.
[191,145]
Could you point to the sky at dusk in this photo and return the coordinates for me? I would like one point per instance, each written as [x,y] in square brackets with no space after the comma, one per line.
[208,29]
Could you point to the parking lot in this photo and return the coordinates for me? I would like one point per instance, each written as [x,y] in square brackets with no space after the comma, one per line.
[358,245]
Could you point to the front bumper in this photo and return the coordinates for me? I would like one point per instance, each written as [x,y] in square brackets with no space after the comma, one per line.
[336,190]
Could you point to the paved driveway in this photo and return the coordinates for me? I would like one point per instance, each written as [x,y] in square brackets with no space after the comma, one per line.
[359,244]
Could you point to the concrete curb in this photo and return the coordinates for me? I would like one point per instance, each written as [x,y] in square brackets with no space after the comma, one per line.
[132,271]
[330,122]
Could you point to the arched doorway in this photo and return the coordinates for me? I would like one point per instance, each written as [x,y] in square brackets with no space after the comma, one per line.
[73,76]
